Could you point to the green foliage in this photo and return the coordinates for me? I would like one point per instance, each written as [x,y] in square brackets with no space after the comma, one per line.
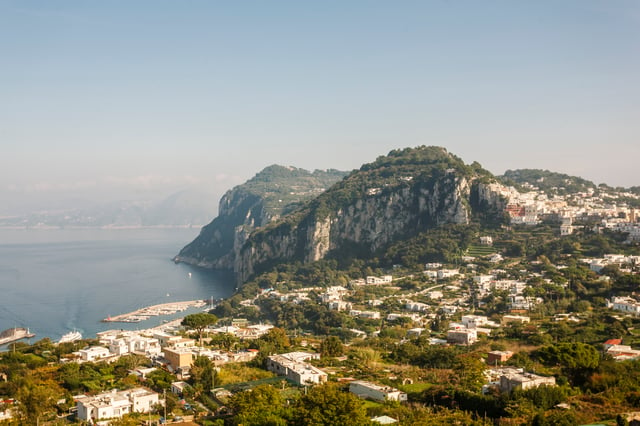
[331,347]
[577,360]
[421,353]
[549,182]
[262,406]
[544,397]
[329,405]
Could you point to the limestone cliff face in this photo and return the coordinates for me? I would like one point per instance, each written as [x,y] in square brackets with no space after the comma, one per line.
[381,216]
[220,241]
[273,192]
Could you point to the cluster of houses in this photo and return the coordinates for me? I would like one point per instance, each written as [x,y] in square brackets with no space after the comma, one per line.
[624,263]
[534,206]
[115,404]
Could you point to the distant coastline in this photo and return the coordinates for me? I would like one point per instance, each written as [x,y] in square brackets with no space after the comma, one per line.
[105,227]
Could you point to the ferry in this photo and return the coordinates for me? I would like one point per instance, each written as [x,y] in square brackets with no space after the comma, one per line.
[13,334]
[71,336]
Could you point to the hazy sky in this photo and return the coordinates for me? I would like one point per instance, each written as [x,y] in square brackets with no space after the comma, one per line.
[131,98]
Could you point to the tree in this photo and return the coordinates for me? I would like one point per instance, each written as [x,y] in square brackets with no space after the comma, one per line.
[469,369]
[199,322]
[224,340]
[37,399]
[578,360]
[261,406]
[328,405]
[331,347]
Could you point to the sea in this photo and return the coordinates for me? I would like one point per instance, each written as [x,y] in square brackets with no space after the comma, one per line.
[54,281]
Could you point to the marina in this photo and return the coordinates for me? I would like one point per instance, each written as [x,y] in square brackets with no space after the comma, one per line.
[144,314]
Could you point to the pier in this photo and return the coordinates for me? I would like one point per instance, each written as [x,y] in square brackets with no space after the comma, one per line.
[13,334]
[156,310]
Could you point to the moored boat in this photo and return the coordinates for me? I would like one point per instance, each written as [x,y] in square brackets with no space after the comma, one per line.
[71,336]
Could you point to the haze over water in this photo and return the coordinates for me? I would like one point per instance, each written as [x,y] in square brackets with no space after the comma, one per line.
[55,281]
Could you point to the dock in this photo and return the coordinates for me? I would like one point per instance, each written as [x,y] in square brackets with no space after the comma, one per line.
[13,334]
[156,310]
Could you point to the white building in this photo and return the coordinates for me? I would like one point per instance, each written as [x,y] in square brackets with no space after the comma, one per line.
[385,279]
[515,318]
[94,353]
[622,352]
[447,273]
[474,321]
[462,337]
[135,344]
[376,392]
[293,366]
[517,378]
[111,405]
[626,304]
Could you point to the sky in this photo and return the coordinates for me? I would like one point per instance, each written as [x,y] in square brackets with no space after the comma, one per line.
[121,99]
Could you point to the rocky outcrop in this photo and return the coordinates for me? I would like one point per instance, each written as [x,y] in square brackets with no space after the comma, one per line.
[378,213]
[395,197]
[273,192]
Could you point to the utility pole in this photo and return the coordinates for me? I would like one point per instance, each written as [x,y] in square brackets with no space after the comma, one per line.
[164,393]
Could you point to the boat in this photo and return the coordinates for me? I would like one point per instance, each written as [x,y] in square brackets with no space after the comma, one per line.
[13,334]
[71,336]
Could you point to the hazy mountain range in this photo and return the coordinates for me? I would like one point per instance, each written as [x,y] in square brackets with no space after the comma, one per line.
[183,208]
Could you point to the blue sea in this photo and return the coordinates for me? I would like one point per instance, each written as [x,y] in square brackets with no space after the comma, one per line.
[56,281]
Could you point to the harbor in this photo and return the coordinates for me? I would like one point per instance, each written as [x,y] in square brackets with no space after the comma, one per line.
[144,314]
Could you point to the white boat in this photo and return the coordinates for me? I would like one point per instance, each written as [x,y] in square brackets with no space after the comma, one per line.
[71,336]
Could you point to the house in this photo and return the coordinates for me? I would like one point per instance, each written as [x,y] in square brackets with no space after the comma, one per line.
[474,321]
[507,319]
[115,404]
[94,353]
[516,378]
[626,304]
[178,357]
[611,342]
[385,279]
[622,352]
[495,357]
[339,305]
[178,388]
[415,332]
[134,344]
[462,337]
[376,392]
[293,366]
[384,420]
[486,240]
[447,273]
[169,340]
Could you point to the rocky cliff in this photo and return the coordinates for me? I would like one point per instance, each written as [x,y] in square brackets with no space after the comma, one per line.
[395,197]
[273,192]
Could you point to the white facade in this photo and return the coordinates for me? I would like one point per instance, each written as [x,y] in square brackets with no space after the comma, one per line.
[462,337]
[447,273]
[115,404]
[293,366]
[626,304]
[474,321]
[385,279]
[94,353]
[521,380]
[376,392]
